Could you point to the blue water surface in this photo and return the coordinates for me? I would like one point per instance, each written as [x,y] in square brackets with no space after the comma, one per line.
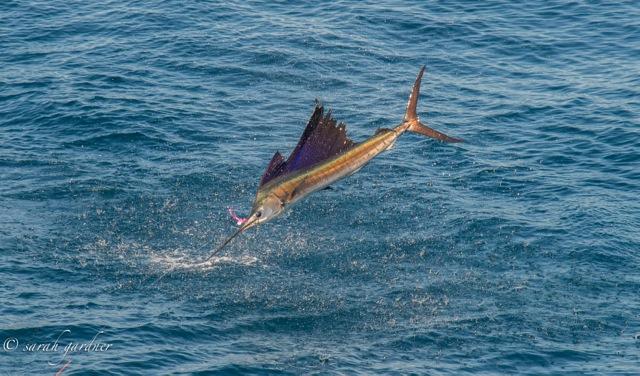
[128,127]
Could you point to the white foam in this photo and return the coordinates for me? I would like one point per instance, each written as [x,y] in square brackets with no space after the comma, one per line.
[181,260]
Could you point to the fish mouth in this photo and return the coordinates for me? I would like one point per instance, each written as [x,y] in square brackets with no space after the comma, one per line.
[250,222]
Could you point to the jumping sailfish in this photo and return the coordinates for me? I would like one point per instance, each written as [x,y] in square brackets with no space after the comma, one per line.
[324,155]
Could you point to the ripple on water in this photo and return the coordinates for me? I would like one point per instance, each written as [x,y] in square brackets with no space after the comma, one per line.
[127,129]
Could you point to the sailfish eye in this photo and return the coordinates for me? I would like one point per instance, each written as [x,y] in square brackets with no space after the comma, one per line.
[258,214]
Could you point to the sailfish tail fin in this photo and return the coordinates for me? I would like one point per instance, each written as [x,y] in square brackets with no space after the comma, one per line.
[411,115]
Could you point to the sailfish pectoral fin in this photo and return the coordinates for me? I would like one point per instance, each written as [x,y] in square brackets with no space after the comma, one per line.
[297,190]
[411,116]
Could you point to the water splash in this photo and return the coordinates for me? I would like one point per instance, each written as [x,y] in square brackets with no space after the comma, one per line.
[181,260]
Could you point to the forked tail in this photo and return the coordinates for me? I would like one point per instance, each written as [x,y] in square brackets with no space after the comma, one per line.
[411,116]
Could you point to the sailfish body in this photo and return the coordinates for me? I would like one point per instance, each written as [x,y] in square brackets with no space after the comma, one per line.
[324,155]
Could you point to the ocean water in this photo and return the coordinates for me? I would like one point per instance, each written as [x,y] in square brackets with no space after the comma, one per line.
[128,127]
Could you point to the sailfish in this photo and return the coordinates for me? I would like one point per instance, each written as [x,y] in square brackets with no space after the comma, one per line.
[324,154]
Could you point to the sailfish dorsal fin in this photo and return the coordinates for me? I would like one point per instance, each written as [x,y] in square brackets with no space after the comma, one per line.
[322,139]
[274,168]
